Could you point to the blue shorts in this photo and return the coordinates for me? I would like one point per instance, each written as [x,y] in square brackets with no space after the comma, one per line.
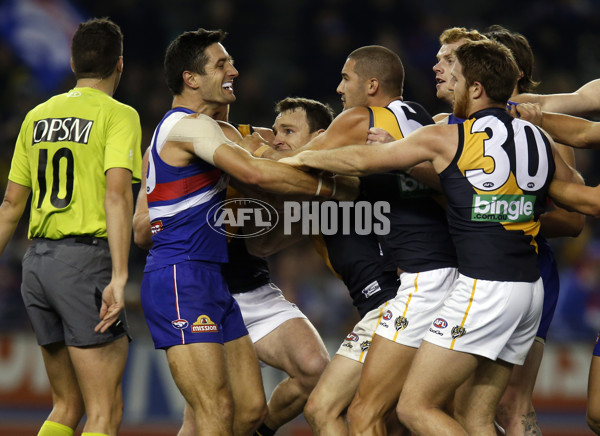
[597,347]
[189,302]
[549,273]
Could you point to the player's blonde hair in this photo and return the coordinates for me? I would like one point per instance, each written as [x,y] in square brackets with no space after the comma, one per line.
[454,34]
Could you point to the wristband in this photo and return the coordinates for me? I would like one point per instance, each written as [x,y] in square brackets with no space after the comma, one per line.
[260,150]
[319,186]
[334,188]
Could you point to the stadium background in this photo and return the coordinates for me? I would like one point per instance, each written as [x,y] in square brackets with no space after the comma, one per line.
[286,48]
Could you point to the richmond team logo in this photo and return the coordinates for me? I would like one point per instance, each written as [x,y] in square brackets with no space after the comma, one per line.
[400,323]
[364,346]
[204,324]
[229,217]
[458,331]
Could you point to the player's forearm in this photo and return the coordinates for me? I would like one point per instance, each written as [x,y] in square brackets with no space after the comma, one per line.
[560,222]
[282,179]
[350,160]
[576,197]
[566,129]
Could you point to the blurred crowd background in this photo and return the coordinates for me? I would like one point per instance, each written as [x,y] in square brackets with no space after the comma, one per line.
[295,48]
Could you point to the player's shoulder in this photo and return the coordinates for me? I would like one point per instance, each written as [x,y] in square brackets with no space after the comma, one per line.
[352,115]
[441,118]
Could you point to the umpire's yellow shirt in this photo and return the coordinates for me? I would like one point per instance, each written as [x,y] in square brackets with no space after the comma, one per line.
[63,151]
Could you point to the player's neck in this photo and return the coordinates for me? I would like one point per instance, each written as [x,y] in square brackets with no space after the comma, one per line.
[382,101]
[216,112]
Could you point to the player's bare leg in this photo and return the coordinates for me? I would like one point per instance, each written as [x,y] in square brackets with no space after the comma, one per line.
[199,371]
[326,406]
[296,348]
[515,413]
[383,375]
[427,390]
[245,379]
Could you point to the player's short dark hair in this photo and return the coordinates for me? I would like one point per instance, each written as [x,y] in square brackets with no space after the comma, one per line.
[187,53]
[491,64]
[318,115]
[381,63]
[521,50]
[96,47]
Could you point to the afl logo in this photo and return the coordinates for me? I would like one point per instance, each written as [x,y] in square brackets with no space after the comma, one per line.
[229,216]
[352,337]
[179,324]
[388,315]
[440,323]
[531,185]
[488,185]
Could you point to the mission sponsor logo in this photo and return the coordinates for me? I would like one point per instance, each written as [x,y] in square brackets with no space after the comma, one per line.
[258,217]
[503,208]
[204,324]
[62,129]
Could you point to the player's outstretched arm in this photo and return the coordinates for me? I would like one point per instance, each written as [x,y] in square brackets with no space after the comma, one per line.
[584,101]
[422,145]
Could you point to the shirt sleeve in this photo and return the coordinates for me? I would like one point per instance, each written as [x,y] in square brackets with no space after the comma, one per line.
[123,142]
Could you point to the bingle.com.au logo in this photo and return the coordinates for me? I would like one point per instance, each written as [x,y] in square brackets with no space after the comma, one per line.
[247,217]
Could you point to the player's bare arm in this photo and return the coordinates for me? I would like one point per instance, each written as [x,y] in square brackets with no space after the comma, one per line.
[202,135]
[573,196]
[429,143]
[566,129]
[558,222]
[349,127]
[422,172]
[584,101]
[142,232]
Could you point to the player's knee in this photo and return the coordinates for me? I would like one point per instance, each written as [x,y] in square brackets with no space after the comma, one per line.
[407,412]
[593,420]
[316,410]
[311,370]
[251,413]
[359,414]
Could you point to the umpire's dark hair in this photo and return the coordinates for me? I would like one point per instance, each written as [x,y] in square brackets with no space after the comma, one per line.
[95,48]
[186,53]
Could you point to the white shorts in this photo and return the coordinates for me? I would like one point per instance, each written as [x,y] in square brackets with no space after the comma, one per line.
[356,345]
[264,309]
[497,320]
[419,297]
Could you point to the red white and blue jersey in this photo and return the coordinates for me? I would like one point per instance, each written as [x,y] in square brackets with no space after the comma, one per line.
[180,200]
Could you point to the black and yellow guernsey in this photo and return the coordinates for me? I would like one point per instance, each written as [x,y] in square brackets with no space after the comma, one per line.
[419,239]
[496,188]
